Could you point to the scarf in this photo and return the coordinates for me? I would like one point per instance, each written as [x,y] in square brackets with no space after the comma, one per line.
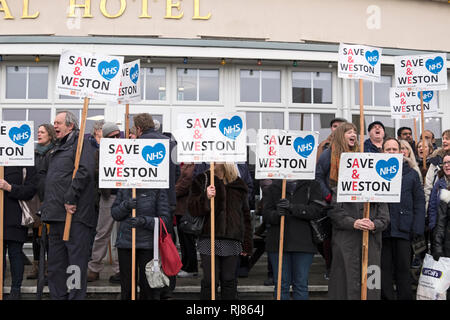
[43,149]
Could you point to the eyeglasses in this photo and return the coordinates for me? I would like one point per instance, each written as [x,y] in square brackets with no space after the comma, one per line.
[114,136]
[446,163]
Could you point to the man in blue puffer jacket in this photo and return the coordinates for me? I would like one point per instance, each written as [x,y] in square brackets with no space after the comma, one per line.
[407,220]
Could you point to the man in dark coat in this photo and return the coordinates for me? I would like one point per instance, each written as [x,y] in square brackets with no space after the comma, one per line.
[67,260]
[376,136]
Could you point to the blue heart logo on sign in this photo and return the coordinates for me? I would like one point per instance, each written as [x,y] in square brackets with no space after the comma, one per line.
[231,128]
[134,73]
[435,66]
[109,70]
[304,146]
[154,155]
[427,95]
[372,57]
[387,169]
[20,135]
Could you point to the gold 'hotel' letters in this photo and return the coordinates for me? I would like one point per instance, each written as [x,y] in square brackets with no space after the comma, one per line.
[173,10]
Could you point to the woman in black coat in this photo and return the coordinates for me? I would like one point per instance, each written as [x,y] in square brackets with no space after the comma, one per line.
[407,220]
[16,188]
[233,233]
[149,203]
[303,203]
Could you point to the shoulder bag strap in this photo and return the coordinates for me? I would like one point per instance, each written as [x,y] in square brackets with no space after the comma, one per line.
[156,245]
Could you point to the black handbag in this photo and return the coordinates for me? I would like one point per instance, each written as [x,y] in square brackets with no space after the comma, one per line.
[320,229]
[193,225]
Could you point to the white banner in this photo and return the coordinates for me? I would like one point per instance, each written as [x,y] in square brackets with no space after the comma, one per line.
[89,75]
[282,154]
[421,72]
[16,143]
[405,104]
[130,83]
[134,163]
[370,177]
[359,62]
[209,137]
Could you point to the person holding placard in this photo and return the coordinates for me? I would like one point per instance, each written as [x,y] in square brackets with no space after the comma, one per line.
[76,196]
[19,184]
[376,136]
[407,222]
[435,166]
[233,229]
[303,203]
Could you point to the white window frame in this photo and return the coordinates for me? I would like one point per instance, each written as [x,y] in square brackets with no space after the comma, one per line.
[167,68]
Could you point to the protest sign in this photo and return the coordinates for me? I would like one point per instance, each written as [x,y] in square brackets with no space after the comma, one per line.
[374,177]
[135,163]
[89,75]
[421,72]
[208,137]
[405,104]
[130,83]
[16,143]
[359,62]
[282,154]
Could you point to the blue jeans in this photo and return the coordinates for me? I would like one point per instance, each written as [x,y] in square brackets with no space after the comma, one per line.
[16,262]
[295,272]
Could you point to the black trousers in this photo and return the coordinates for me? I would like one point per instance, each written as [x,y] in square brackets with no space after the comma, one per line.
[395,264]
[68,261]
[188,250]
[143,256]
[225,274]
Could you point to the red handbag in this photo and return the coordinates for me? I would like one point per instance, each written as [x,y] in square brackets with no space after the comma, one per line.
[170,259]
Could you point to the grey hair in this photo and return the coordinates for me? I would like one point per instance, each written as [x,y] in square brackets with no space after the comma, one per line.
[98,125]
[70,119]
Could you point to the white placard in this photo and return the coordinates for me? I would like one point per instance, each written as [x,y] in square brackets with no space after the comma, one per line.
[359,62]
[16,143]
[405,104]
[421,72]
[134,163]
[89,75]
[209,137]
[370,177]
[130,84]
[282,154]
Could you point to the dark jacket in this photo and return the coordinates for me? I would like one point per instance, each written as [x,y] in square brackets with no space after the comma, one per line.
[407,218]
[440,208]
[151,203]
[20,190]
[182,188]
[370,147]
[231,214]
[345,276]
[41,160]
[173,168]
[323,172]
[61,189]
[297,230]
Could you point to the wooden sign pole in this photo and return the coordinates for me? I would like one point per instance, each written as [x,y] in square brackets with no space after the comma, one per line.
[76,164]
[280,249]
[127,121]
[2,176]
[415,131]
[213,248]
[422,119]
[365,239]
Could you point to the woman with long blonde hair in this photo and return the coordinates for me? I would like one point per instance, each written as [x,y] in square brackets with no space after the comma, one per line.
[233,233]
[408,156]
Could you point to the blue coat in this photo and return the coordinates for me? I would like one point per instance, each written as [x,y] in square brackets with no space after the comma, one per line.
[370,147]
[323,172]
[408,216]
[433,205]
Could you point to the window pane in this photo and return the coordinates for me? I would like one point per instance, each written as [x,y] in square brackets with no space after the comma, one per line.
[367,91]
[155,84]
[301,87]
[61,96]
[38,83]
[187,85]
[382,91]
[272,120]
[322,125]
[435,126]
[14,114]
[271,86]
[39,116]
[295,121]
[249,80]
[209,85]
[16,82]
[252,123]
[322,87]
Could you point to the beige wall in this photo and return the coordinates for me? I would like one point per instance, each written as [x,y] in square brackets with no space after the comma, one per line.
[423,25]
